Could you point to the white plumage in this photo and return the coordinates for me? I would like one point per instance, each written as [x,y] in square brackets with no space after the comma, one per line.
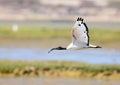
[80,37]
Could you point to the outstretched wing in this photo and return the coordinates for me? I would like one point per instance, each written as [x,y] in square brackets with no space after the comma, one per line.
[80,35]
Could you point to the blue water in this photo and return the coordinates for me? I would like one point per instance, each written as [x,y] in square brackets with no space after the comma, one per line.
[94,56]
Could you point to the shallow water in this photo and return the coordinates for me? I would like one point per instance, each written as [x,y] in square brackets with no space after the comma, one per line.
[94,56]
[56,81]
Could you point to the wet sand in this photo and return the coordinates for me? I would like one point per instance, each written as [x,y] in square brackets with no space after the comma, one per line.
[56,81]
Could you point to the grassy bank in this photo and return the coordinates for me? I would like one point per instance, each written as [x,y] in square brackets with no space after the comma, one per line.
[58,69]
[35,32]
[105,37]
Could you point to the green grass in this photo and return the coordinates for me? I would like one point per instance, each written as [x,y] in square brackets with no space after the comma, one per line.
[51,68]
[7,66]
[109,38]
[34,32]
[105,35]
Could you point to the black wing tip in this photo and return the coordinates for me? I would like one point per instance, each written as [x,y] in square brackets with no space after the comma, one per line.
[80,19]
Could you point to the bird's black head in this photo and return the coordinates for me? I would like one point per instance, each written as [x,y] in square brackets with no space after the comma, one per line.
[60,48]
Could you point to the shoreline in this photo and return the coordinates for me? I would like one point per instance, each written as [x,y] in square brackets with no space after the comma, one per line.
[17,43]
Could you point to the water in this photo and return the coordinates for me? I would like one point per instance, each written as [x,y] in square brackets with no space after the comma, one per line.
[94,56]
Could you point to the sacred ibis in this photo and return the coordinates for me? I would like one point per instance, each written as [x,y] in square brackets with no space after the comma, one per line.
[80,37]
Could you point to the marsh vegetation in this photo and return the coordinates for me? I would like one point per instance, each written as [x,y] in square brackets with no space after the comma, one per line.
[58,69]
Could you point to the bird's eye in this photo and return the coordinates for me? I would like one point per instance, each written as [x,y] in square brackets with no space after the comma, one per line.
[79,24]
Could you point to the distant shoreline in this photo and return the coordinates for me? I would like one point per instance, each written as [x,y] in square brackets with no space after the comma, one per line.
[14,43]
[61,23]
[51,36]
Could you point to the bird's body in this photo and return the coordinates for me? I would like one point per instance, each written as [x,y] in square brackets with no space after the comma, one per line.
[80,37]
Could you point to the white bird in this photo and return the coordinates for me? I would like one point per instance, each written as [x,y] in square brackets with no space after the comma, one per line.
[80,37]
[15,27]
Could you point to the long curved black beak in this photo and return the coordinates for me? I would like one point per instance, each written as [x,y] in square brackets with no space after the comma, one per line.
[52,50]
[57,48]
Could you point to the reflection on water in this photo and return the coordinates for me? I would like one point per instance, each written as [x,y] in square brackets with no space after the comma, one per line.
[56,81]
[95,56]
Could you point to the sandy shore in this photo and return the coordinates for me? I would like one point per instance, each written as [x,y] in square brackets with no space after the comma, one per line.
[56,81]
